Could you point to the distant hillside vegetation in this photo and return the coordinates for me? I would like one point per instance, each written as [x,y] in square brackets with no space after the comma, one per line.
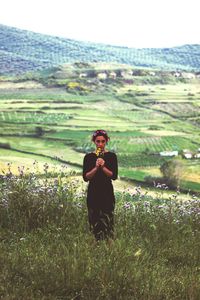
[22,51]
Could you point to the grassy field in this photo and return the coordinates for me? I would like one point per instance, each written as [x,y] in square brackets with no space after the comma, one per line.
[50,124]
[47,251]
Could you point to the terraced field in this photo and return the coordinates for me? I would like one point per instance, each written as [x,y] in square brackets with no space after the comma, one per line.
[54,126]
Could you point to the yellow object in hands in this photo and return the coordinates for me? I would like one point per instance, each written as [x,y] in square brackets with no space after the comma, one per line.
[99,152]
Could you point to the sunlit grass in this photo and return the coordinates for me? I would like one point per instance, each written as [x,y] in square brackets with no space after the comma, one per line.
[47,251]
[50,148]
[29,84]
[168,92]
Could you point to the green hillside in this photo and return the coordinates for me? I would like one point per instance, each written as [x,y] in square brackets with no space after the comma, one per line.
[22,51]
[50,119]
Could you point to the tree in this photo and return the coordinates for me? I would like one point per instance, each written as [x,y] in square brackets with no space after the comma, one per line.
[39,131]
[172,171]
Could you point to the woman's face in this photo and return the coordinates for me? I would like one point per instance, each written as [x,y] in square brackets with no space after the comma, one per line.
[100,142]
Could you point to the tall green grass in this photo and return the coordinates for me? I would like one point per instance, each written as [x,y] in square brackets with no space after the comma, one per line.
[47,251]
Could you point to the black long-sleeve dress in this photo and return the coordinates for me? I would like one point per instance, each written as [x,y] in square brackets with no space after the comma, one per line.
[100,194]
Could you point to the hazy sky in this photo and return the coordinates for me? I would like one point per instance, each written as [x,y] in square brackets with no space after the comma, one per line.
[133,23]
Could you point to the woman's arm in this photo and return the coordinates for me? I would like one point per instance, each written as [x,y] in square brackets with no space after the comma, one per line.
[89,175]
[114,167]
[107,171]
[101,163]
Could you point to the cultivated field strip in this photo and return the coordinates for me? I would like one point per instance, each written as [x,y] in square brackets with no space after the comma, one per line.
[142,121]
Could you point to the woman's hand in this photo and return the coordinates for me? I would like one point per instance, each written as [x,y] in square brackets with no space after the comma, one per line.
[97,163]
[100,162]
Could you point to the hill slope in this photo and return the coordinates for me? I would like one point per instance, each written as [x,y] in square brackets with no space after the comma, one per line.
[22,51]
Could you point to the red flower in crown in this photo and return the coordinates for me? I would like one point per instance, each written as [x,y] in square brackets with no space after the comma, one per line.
[98,133]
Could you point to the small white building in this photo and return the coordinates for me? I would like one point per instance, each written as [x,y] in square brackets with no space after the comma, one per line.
[177,74]
[169,153]
[102,76]
[127,74]
[112,75]
[187,155]
[82,75]
[188,75]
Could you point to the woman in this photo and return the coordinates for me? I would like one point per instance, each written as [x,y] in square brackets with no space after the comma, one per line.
[99,168]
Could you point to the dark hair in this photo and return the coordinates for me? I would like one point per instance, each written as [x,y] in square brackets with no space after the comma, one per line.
[100,132]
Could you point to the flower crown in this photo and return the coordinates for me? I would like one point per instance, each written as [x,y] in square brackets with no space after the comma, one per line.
[99,132]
